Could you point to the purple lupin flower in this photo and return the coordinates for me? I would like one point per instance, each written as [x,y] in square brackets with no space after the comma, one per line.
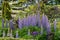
[38,20]
[46,24]
[6,23]
[43,21]
[17,34]
[20,23]
[48,29]
[11,24]
[34,33]
[25,22]
[29,20]
[55,25]
[33,20]
[2,23]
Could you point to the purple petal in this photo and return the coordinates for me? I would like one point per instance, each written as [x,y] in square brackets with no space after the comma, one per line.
[19,23]
[38,20]
[33,20]
[11,24]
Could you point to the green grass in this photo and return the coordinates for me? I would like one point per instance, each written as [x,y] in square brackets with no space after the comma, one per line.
[8,38]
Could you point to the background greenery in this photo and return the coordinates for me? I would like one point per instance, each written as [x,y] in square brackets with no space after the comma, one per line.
[51,9]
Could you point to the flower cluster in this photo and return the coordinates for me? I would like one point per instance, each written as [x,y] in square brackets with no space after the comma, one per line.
[35,20]
[32,20]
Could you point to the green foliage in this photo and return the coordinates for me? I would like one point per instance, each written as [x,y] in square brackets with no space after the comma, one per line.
[0,33]
[23,33]
[0,8]
[34,28]
[22,0]
[28,37]
[57,35]
[6,10]
[51,11]
[41,37]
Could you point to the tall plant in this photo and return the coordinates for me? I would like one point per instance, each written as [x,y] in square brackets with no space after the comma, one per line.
[6,10]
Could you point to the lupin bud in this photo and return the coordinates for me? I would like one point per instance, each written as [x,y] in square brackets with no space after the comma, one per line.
[16,34]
